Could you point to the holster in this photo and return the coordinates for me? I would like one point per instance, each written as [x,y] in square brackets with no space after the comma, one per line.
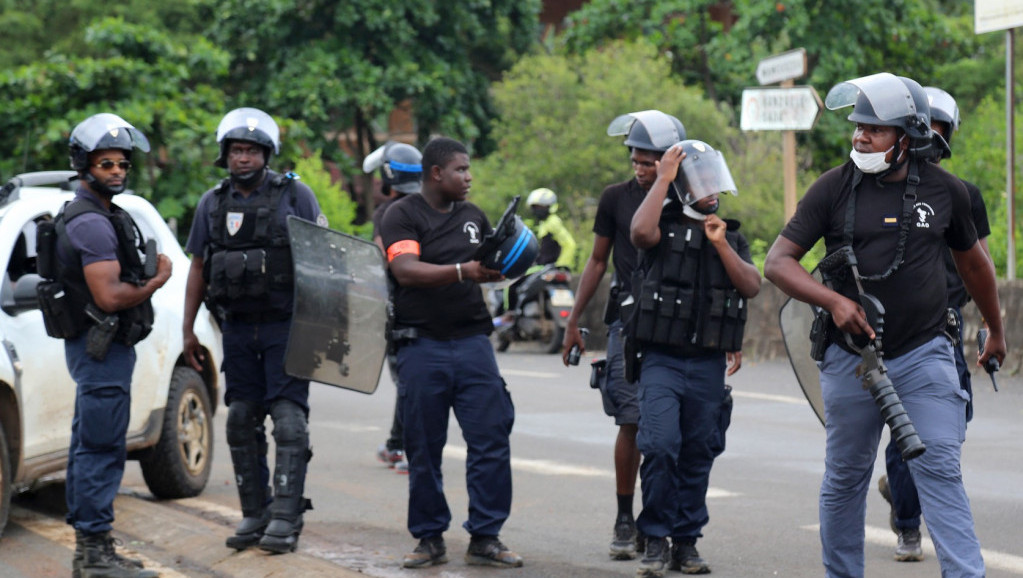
[952,327]
[598,373]
[398,337]
[820,334]
[100,335]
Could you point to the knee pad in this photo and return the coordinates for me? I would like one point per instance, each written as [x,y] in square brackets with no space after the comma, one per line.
[291,426]
[245,422]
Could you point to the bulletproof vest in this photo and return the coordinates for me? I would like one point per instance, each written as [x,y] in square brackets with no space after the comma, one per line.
[249,254]
[64,298]
[684,298]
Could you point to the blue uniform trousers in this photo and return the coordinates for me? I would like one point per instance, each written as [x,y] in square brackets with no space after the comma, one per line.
[680,401]
[905,500]
[436,377]
[98,449]
[926,381]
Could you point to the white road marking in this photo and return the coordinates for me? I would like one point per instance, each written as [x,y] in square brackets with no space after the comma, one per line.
[524,373]
[993,559]
[770,397]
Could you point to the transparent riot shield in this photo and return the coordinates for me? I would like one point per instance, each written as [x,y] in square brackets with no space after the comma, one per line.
[340,311]
[796,318]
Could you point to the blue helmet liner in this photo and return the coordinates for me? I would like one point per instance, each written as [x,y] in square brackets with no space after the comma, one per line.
[511,247]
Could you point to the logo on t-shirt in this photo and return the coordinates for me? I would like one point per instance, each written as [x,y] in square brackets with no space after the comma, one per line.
[473,230]
[923,211]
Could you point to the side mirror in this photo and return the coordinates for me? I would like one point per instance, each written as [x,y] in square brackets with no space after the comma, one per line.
[22,296]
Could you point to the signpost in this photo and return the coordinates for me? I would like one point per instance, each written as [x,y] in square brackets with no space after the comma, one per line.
[788,109]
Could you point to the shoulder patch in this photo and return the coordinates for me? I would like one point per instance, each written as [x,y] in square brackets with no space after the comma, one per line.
[321,220]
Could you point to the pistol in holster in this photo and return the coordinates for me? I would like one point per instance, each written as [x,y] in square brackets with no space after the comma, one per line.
[102,332]
[820,334]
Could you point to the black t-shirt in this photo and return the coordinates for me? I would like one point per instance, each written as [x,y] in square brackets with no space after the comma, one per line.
[915,296]
[957,295]
[618,203]
[452,311]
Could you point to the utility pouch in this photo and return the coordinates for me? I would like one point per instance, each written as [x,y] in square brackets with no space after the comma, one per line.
[649,305]
[234,273]
[60,320]
[674,252]
[820,332]
[633,357]
[613,309]
[46,249]
[598,373]
[710,333]
[101,335]
[691,264]
[735,322]
[681,326]
[665,315]
[256,278]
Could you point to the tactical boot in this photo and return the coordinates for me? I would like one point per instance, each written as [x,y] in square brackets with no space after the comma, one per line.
[655,560]
[909,549]
[291,433]
[246,438]
[623,545]
[76,561]
[489,551]
[99,560]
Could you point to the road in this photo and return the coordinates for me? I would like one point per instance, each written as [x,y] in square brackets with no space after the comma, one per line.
[763,496]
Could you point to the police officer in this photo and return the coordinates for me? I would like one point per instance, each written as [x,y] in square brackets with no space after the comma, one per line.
[446,361]
[401,173]
[899,214]
[897,486]
[99,265]
[689,311]
[647,134]
[241,264]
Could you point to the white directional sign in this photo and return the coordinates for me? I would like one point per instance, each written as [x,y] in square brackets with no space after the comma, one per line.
[784,66]
[990,15]
[795,108]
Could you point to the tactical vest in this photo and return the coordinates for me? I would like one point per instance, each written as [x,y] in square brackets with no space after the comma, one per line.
[64,298]
[683,295]
[249,254]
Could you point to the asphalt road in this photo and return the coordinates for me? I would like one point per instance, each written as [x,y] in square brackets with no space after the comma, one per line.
[763,497]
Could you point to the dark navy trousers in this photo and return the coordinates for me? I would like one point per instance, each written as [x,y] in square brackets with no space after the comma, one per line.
[680,405]
[436,377]
[98,448]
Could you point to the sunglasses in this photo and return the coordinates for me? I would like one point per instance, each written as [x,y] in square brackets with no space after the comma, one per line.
[107,164]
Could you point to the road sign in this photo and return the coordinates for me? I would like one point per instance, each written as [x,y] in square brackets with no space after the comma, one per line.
[991,15]
[784,66]
[795,108]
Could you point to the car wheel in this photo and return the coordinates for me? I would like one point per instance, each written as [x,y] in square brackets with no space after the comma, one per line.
[5,480]
[179,465]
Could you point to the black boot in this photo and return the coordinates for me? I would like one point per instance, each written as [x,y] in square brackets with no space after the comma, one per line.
[291,432]
[76,561]
[247,439]
[100,560]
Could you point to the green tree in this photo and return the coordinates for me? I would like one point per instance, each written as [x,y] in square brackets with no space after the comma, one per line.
[555,111]
[335,203]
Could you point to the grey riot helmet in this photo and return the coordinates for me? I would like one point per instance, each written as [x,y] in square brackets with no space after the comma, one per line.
[103,131]
[702,173]
[650,130]
[251,125]
[944,110]
[884,99]
[401,166]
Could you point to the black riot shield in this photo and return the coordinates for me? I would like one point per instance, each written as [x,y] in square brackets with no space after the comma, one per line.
[340,311]
[796,318]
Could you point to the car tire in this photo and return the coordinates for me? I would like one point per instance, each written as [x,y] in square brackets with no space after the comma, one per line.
[179,465]
[6,480]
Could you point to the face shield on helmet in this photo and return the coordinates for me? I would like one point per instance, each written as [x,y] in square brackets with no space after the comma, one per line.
[250,125]
[944,110]
[703,173]
[884,99]
[100,132]
[650,130]
[401,166]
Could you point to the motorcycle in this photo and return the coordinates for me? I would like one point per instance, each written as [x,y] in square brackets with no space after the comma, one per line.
[543,300]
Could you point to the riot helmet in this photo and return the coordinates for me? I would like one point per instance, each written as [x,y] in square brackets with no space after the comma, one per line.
[650,130]
[884,99]
[944,110]
[515,253]
[103,131]
[251,125]
[702,173]
[401,166]
[542,202]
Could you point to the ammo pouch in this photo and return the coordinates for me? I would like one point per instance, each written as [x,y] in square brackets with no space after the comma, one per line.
[724,320]
[59,315]
[664,314]
[237,274]
[46,250]
[680,253]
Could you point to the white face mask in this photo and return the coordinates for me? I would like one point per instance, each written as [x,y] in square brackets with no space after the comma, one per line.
[872,163]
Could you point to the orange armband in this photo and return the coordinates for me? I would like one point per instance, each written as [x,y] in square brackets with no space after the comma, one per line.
[402,248]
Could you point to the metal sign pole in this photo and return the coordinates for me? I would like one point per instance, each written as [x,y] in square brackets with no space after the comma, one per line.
[1010,168]
[789,165]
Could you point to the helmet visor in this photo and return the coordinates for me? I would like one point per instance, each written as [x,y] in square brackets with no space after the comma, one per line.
[888,96]
[706,175]
[250,119]
[663,132]
[107,126]
[374,160]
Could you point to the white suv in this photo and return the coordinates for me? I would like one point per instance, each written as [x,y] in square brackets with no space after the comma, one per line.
[172,405]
